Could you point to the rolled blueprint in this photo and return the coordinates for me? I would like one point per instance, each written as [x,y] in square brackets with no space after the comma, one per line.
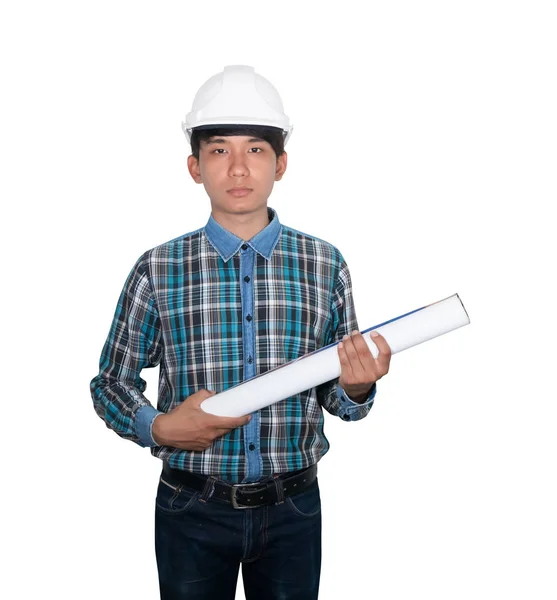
[322,365]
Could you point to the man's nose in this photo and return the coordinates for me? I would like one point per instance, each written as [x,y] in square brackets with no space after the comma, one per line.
[238,167]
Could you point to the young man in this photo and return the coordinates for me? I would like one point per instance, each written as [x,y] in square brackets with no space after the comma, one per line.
[215,307]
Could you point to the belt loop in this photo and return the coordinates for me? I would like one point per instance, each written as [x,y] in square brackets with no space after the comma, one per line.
[279,487]
[208,489]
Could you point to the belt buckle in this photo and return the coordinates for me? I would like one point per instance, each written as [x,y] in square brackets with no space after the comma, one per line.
[234,489]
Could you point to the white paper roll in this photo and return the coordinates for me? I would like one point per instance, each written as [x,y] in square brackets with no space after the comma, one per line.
[322,365]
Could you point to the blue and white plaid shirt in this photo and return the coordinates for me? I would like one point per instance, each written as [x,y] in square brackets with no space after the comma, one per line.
[213,311]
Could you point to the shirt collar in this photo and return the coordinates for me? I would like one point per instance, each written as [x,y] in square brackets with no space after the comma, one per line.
[227,244]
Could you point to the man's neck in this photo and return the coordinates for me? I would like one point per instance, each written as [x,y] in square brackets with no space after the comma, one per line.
[243,226]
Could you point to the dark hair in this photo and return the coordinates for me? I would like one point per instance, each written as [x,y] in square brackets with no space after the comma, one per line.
[272,135]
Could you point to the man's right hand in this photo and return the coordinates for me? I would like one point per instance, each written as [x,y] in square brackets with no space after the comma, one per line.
[189,427]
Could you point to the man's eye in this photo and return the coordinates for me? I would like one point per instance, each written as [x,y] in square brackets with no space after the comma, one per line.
[222,150]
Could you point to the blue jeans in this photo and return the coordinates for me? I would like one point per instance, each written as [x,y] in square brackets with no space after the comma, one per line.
[201,541]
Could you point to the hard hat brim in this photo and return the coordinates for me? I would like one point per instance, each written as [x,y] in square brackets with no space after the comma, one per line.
[238,126]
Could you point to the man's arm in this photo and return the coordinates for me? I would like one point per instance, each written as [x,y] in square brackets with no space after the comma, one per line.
[331,395]
[133,343]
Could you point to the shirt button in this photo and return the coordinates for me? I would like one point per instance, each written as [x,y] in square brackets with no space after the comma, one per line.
[246,279]
[249,317]
[346,417]
[244,246]
[251,447]
[250,360]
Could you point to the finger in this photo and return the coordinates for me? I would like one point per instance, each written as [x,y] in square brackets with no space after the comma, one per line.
[222,430]
[230,422]
[201,395]
[353,356]
[217,433]
[364,353]
[381,343]
[345,366]
[383,360]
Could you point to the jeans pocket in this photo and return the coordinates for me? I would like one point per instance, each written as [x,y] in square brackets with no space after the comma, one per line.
[307,503]
[174,498]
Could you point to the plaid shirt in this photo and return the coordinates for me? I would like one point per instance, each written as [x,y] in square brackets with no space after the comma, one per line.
[213,311]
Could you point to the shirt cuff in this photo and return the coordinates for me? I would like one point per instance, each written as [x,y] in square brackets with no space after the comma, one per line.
[144,418]
[350,410]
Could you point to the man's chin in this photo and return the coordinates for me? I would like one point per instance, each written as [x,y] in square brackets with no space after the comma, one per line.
[240,206]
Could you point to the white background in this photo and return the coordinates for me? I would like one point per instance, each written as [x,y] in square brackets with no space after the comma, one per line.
[424,147]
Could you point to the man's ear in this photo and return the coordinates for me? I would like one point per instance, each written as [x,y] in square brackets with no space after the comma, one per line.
[282,161]
[193,168]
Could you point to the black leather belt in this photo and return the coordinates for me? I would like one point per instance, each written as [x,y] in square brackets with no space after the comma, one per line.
[246,495]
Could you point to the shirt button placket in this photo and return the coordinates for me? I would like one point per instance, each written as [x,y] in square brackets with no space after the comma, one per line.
[252,428]
[247,279]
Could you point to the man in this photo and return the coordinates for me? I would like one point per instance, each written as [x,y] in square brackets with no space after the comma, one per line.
[217,306]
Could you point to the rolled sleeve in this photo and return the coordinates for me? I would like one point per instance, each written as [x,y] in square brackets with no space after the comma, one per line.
[353,411]
[144,419]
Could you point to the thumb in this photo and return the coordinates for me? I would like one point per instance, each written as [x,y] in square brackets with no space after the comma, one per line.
[201,395]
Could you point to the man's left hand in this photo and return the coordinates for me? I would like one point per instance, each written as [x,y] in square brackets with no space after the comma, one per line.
[359,370]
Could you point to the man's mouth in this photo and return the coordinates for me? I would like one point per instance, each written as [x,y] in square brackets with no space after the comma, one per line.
[239,192]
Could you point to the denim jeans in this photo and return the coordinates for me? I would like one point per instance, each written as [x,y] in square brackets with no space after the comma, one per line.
[201,541]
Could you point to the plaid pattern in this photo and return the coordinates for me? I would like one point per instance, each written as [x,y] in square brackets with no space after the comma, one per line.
[213,311]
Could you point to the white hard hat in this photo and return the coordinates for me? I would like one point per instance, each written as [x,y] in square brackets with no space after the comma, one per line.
[237,96]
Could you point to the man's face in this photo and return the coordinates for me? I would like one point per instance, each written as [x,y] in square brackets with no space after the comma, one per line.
[230,162]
